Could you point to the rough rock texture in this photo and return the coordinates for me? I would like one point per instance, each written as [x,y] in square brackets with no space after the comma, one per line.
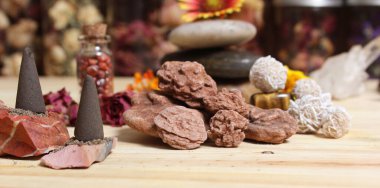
[310,112]
[28,134]
[79,155]
[141,118]
[186,81]
[146,106]
[270,126]
[181,127]
[305,87]
[227,128]
[336,123]
[268,74]
[157,98]
[227,100]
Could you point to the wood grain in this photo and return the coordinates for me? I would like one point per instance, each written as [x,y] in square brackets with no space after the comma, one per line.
[142,161]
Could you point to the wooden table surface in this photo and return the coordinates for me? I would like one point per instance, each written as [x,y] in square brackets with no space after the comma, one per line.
[142,161]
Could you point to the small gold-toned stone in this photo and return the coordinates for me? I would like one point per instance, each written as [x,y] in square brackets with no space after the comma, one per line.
[271,100]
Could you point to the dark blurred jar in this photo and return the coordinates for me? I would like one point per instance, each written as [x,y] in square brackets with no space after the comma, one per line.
[364,16]
[306,32]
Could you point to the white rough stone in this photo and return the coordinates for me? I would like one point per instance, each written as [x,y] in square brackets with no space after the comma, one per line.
[336,123]
[268,74]
[305,87]
[310,111]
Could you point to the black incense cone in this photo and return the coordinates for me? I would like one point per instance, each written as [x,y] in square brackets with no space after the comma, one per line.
[29,94]
[89,125]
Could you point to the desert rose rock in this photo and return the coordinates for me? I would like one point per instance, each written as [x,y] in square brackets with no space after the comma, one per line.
[181,127]
[24,133]
[212,33]
[82,154]
[146,106]
[186,81]
[227,100]
[227,128]
[141,118]
[270,126]
[268,74]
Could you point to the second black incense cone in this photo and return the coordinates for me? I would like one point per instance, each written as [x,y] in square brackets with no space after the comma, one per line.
[29,93]
[89,124]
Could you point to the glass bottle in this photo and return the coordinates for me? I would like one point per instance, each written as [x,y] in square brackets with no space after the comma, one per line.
[307,32]
[95,58]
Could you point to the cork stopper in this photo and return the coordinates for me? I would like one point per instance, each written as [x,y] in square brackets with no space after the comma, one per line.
[96,30]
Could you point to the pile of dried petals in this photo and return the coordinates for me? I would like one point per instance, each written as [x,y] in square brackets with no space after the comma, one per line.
[113,107]
[61,102]
[144,82]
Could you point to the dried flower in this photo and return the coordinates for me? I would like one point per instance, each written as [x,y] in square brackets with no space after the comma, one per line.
[88,15]
[58,54]
[70,40]
[4,21]
[144,82]
[204,9]
[292,78]
[61,102]
[12,63]
[61,13]
[113,107]
[22,33]
[13,8]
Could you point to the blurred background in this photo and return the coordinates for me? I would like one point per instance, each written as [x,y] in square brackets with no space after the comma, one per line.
[301,34]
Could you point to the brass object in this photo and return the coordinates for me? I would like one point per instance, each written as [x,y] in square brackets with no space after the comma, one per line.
[271,100]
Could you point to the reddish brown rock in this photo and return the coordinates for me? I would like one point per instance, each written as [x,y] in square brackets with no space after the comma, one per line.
[227,100]
[270,126]
[150,98]
[146,106]
[140,98]
[79,155]
[157,98]
[186,81]
[25,134]
[227,128]
[141,118]
[181,127]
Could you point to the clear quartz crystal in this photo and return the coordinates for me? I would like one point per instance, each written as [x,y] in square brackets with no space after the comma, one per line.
[343,75]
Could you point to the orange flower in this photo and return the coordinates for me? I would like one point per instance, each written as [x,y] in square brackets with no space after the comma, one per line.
[292,78]
[204,9]
[144,82]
